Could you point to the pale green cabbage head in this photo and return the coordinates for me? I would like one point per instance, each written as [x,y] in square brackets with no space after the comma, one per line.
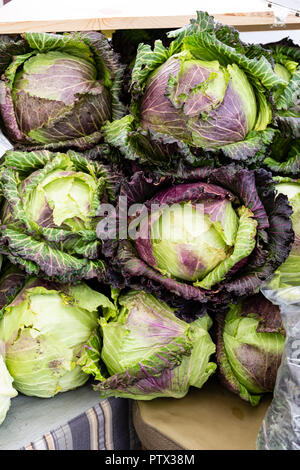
[44,329]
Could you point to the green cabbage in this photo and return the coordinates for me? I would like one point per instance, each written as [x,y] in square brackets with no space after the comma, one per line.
[52,205]
[44,329]
[147,352]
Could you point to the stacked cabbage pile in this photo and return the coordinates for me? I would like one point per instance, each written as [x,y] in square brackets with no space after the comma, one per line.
[149,195]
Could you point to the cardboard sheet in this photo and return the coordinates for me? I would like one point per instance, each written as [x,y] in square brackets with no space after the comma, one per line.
[208,419]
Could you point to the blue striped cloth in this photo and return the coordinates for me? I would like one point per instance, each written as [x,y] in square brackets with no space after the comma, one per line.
[106,426]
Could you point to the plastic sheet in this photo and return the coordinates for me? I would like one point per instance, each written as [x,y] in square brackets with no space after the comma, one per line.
[280,429]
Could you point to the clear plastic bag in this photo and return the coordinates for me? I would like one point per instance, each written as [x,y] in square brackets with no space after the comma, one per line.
[280,429]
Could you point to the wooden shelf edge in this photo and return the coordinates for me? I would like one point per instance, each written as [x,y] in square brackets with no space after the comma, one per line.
[242,21]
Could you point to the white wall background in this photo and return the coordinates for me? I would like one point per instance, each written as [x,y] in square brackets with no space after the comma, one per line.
[271,36]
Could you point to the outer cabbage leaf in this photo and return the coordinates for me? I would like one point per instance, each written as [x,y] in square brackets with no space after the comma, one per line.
[284,156]
[11,281]
[287,275]
[286,56]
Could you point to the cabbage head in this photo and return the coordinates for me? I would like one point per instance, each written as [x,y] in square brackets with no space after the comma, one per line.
[205,234]
[250,344]
[57,90]
[207,90]
[283,159]
[147,352]
[50,212]
[43,330]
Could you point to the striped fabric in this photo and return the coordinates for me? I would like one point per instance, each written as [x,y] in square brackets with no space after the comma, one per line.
[106,426]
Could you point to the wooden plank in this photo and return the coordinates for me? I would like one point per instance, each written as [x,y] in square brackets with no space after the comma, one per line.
[89,15]
[242,22]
